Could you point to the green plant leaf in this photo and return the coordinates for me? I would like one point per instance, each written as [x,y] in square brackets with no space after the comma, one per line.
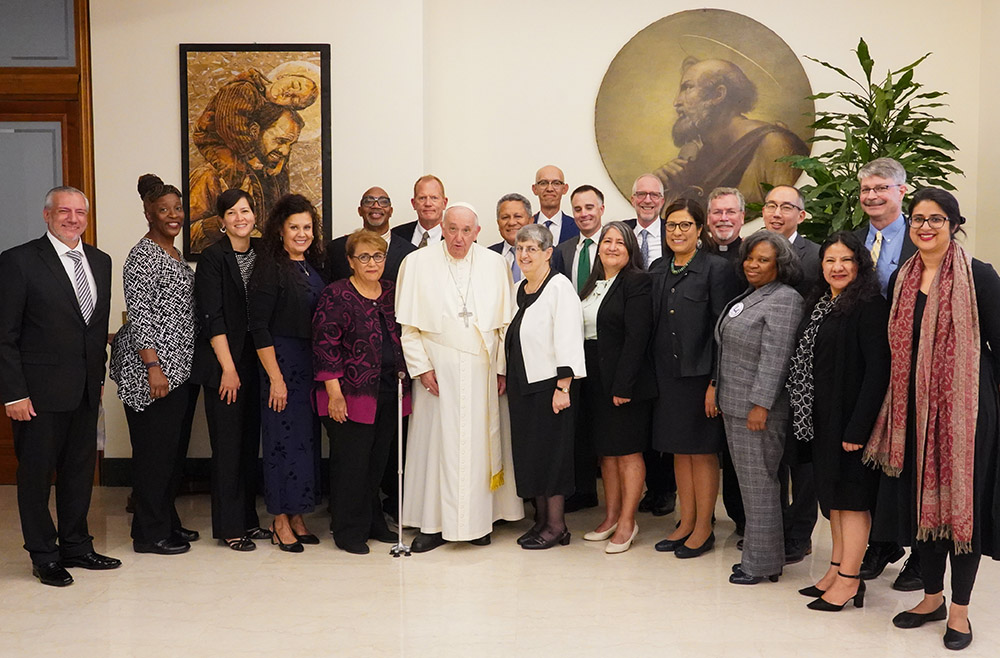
[865,59]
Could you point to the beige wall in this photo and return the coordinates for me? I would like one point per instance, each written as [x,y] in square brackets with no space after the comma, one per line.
[484,93]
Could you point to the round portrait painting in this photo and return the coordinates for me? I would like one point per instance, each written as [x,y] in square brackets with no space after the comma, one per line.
[704,98]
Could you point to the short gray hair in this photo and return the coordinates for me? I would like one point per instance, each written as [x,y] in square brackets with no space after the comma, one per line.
[726,191]
[514,196]
[635,183]
[63,189]
[536,233]
[789,267]
[886,168]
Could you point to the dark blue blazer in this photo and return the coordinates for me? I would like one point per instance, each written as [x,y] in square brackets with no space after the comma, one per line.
[567,229]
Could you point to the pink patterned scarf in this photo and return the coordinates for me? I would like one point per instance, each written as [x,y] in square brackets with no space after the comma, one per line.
[946,396]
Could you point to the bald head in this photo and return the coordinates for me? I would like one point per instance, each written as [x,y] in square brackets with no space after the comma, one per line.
[375,210]
[550,187]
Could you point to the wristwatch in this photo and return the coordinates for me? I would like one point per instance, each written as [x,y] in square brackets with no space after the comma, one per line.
[151,364]
[563,389]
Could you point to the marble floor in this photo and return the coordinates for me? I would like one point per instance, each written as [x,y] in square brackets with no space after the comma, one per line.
[458,600]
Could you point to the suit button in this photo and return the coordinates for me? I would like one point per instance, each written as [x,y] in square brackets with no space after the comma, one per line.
[673,290]
[671,311]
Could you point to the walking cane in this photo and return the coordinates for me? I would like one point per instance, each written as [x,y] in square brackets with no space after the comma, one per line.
[399,548]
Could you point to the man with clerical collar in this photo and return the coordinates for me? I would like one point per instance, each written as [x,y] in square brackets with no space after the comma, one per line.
[647,200]
[375,210]
[550,187]
[726,213]
[429,202]
[454,303]
[883,185]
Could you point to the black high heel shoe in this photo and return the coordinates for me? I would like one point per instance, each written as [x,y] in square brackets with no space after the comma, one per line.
[858,598]
[814,592]
[308,538]
[538,543]
[294,547]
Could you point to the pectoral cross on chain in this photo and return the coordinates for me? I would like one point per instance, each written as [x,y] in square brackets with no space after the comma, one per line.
[465,315]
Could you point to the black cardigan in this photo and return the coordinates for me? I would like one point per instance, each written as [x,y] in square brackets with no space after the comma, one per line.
[279,305]
[624,325]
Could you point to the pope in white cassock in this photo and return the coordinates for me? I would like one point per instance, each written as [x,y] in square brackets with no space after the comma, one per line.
[453,302]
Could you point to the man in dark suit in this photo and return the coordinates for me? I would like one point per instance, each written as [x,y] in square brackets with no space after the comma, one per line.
[726,214]
[54,306]
[375,211]
[883,185]
[513,212]
[784,210]
[429,202]
[550,187]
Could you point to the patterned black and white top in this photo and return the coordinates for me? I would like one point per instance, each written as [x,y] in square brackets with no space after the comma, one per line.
[245,260]
[159,300]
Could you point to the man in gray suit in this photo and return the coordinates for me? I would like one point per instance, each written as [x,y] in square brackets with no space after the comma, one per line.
[783,212]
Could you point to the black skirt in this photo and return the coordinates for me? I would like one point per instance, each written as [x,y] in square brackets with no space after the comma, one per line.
[616,431]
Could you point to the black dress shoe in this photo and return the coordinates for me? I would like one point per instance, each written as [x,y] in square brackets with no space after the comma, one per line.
[918,619]
[482,541]
[956,640]
[170,546]
[51,573]
[797,551]
[359,548]
[740,577]
[186,535]
[670,545]
[539,543]
[878,556]
[684,552]
[526,536]
[424,542]
[308,538]
[91,560]
[909,578]
[663,504]
[579,501]
[384,535]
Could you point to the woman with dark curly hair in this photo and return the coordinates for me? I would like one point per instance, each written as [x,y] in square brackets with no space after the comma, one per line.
[285,286]
[837,380]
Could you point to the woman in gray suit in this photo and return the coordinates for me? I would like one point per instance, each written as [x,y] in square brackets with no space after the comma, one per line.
[756,337]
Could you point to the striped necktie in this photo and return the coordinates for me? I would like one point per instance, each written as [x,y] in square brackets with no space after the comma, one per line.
[81,286]
[876,248]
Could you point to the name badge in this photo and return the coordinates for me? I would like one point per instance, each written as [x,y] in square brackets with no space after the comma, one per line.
[736,310]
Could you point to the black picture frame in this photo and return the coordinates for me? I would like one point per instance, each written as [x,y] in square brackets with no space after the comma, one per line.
[242,76]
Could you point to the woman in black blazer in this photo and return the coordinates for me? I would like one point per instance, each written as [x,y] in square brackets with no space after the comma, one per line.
[618,390]
[226,365]
[838,377]
[285,287]
[691,288]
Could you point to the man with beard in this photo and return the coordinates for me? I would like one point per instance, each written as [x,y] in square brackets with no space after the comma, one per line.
[276,131]
[375,210]
[719,145]
[726,212]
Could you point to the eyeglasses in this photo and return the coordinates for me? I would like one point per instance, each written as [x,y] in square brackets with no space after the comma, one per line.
[917,221]
[369,201]
[683,226]
[547,183]
[724,212]
[877,189]
[786,208]
[652,195]
[529,249]
[378,257]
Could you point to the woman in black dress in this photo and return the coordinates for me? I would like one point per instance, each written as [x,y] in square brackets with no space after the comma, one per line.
[937,429]
[690,289]
[544,346]
[836,384]
[226,365]
[284,289]
[617,393]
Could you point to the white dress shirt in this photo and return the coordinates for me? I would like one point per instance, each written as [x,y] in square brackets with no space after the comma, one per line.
[576,256]
[70,266]
[418,234]
[654,240]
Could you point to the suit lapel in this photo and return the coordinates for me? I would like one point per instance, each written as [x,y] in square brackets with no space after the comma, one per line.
[48,255]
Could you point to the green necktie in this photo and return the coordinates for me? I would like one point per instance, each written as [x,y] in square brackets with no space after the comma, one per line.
[583,265]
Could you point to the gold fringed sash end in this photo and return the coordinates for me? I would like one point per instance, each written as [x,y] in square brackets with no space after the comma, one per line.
[496,481]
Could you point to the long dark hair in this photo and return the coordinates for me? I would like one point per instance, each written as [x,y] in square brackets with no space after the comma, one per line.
[697,212]
[865,285]
[631,246]
[272,247]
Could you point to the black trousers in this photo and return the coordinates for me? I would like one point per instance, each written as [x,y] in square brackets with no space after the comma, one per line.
[585,463]
[963,571]
[64,443]
[158,453]
[358,454]
[732,499]
[234,432]
[660,479]
[799,515]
